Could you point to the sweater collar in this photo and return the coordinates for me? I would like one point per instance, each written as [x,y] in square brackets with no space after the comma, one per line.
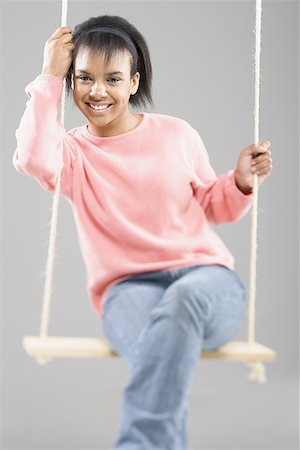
[97,139]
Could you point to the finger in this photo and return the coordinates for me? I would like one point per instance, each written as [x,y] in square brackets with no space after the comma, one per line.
[263,166]
[60,32]
[263,156]
[260,152]
[262,169]
[65,39]
[264,143]
[254,150]
[264,172]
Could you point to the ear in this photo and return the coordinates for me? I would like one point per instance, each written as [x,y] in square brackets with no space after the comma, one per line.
[135,80]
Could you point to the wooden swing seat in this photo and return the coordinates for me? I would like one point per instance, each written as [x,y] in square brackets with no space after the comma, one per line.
[45,349]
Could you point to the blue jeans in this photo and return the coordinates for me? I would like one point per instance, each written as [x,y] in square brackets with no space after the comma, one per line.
[159,322]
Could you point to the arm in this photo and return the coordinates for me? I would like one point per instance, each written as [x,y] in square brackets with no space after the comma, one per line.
[222,200]
[226,198]
[42,146]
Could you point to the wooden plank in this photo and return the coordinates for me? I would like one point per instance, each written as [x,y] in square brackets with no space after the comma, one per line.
[241,351]
[72,347]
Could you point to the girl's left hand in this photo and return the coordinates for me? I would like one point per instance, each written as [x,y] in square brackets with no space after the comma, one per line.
[248,164]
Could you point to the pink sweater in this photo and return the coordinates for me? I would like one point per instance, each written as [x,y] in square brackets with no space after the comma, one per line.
[142,200]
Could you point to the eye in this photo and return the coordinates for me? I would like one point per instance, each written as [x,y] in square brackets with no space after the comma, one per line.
[80,77]
[113,80]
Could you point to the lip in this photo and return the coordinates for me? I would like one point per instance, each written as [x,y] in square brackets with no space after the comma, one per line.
[102,111]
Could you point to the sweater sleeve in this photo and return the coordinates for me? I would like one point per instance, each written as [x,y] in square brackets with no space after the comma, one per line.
[43,148]
[220,197]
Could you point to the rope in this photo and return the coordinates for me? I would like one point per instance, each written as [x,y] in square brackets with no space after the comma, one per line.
[257,369]
[253,257]
[45,317]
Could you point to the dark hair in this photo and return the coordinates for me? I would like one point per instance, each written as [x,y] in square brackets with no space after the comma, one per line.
[107,44]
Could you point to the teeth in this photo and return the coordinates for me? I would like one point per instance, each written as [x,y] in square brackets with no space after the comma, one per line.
[99,107]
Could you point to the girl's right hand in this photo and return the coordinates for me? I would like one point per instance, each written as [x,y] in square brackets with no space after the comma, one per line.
[58,53]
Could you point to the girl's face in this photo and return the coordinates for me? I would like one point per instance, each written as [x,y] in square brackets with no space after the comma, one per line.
[102,92]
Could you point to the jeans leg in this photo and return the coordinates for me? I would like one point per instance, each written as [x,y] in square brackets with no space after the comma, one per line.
[126,311]
[153,398]
[154,403]
[182,429]
[167,353]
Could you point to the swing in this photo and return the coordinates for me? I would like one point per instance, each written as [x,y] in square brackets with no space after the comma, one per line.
[44,348]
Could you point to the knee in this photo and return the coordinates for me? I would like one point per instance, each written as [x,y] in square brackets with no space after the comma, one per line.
[181,304]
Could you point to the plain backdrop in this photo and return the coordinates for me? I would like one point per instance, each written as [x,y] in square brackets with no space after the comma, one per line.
[203,61]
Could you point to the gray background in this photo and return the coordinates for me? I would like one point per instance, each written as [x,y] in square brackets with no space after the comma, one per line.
[202,54]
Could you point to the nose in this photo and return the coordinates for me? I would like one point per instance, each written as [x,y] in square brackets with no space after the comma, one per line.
[98,90]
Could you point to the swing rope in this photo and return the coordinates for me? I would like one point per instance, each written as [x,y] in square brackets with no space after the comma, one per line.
[257,368]
[54,216]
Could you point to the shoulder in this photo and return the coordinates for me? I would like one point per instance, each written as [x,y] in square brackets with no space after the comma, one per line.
[73,141]
[170,123]
[73,131]
[74,136]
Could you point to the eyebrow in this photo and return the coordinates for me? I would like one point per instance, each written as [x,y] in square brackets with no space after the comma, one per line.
[107,73]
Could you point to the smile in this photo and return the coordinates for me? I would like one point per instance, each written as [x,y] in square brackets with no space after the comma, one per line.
[99,108]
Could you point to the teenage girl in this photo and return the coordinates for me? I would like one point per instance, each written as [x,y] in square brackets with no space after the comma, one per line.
[144,196]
